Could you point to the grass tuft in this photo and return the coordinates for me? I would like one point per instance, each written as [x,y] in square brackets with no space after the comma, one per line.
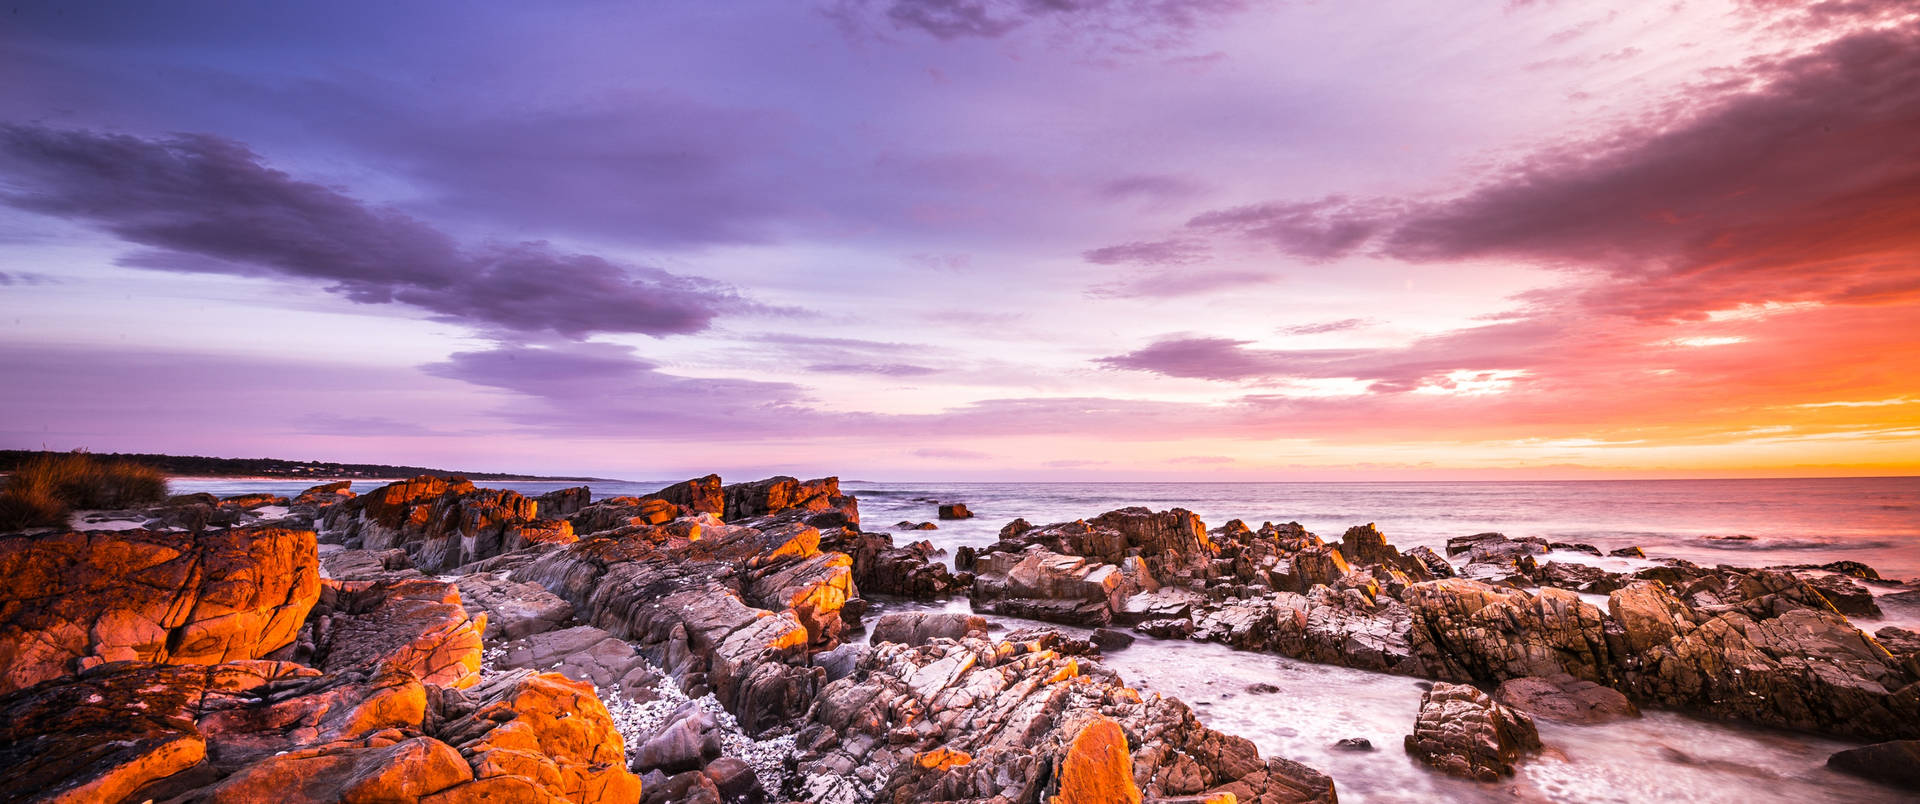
[44,490]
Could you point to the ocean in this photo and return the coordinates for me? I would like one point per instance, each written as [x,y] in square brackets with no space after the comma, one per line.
[1663,756]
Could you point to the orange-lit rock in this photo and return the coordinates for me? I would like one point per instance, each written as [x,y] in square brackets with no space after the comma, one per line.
[418,625]
[1097,768]
[74,600]
[546,728]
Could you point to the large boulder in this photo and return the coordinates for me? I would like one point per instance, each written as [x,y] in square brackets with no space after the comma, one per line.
[1097,768]
[1044,585]
[418,625]
[779,495]
[75,600]
[1462,732]
[701,495]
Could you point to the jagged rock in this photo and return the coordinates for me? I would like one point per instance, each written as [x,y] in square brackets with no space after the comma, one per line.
[1565,699]
[75,600]
[977,719]
[1466,629]
[1627,552]
[270,731]
[1495,548]
[541,727]
[419,625]
[701,495]
[688,595]
[584,653]
[1895,763]
[442,523]
[1805,669]
[1353,744]
[622,512]
[1578,577]
[918,628]
[880,567]
[1843,594]
[1015,528]
[1574,547]
[907,524]
[511,609]
[1462,732]
[562,503]
[778,495]
[1435,564]
[955,511]
[1044,585]
[367,565]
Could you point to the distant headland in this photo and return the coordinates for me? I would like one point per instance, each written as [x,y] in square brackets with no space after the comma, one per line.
[203,466]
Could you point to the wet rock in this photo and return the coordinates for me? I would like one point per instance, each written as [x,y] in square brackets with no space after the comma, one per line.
[1262,688]
[74,600]
[955,511]
[919,628]
[907,524]
[1354,744]
[1627,552]
[1462,732]
[1565,699]
[1578,577]
[1894,763]
[1575,547]
[1111,640]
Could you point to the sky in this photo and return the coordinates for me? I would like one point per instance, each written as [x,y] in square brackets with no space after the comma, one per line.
[969,239]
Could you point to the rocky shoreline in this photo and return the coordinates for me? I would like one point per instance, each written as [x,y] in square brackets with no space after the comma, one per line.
[431,640]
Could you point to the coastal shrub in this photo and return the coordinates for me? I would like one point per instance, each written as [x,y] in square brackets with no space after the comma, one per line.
[43,490]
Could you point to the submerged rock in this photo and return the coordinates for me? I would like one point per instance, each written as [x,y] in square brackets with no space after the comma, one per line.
[1896,763]
[955,511]
[1565,699]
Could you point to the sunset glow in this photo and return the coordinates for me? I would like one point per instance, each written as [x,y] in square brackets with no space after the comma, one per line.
[949,239]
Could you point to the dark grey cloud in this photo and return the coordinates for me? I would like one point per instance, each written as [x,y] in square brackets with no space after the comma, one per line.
[199,203]
[1150,187]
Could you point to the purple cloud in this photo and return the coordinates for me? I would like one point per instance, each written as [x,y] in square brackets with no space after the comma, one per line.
[1324,327]
[1177,282]
[1319,230]
[881,369]
[25,278]
[942,453]
[1155,252]
[1131,20]
[205,204]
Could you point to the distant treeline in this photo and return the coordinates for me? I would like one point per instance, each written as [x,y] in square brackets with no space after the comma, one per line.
[202,466]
